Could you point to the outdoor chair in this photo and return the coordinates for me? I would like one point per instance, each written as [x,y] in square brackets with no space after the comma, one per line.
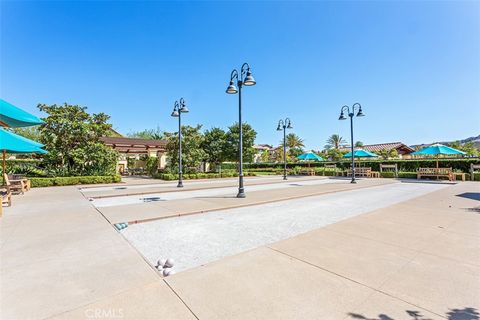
[5,197]
[15,186]
[15,178]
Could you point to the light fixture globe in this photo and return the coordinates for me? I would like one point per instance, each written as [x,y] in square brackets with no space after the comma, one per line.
[175,113]
[342,116]
[184,109]
[249,80]
[289,125]
[279,128]
[360,113]
[231,88]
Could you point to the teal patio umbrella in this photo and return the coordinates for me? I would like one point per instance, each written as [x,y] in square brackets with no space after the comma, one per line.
[437,150]
[360,153]
[14,117]
[309,156]
[13,143]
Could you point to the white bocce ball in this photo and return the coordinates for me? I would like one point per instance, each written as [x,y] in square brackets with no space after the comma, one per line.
[169,263]
[167,271]
[161,263]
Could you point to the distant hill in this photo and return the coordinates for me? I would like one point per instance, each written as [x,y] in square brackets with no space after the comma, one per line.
[475,140]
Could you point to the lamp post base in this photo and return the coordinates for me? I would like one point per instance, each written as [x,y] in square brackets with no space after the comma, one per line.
[285,178]
[353,181]
[241,193]
[180,184]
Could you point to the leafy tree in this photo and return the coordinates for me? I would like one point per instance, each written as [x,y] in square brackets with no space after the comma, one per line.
[265,157]
[358,144]
[294,145]
[214,143]
[388,154]
[335,141]
[192,153]
[468,147]
[231,147]
[334,154]
[154,134]
[32,133]
[72,137]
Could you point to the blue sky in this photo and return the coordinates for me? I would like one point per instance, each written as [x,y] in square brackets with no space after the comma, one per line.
[414,66]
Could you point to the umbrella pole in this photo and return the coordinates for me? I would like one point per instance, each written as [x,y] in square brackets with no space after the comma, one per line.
[4,165]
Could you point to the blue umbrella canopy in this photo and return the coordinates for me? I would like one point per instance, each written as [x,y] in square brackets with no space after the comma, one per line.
[310,156]
[14,117]
[360,153]
[13,143]
[438,149]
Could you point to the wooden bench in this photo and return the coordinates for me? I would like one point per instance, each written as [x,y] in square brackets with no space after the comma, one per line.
[307,172]
[5,197]
[461,174]
[435,172]
[20,179]
[361,172]
[389,168]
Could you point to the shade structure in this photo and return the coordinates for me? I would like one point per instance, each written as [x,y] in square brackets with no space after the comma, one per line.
[437,150]
[14,117]
[13,143]
[360,153]
[310,156]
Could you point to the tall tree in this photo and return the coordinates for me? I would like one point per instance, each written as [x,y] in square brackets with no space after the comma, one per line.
[72,137]
[359,144]
[213,145]
[295,146]
[192,153]
[231,147]
[388,153]
[335,141]
[154,134]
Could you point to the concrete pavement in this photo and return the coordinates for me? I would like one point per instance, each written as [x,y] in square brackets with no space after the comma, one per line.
[60,259]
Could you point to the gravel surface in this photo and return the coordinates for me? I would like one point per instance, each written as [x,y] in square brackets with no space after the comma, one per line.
[196,240]
[165,196]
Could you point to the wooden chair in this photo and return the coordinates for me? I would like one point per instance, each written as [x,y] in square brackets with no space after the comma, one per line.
[17,186]
[18,178]
[5,197]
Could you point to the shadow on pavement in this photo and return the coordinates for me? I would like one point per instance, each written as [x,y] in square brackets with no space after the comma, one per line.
[470,195]
[467,313]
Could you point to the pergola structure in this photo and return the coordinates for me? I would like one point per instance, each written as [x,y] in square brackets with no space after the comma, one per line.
[127,147]
[135,145]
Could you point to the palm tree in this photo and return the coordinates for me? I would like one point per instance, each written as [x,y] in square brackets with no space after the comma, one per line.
[294,141]
[334,141]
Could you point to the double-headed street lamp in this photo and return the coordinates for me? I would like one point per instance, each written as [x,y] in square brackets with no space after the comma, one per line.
[351,115]
[178,109]
[243,78]
[284,125]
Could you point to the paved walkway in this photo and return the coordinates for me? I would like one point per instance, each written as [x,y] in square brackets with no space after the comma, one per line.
[60,259]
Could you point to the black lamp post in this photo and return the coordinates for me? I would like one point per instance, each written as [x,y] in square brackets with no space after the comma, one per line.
[284,125]
[178,109]
[351,115]
[244,78]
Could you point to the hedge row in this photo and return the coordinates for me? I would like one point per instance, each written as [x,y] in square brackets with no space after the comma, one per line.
[174,176]
[67,181]
[410,165]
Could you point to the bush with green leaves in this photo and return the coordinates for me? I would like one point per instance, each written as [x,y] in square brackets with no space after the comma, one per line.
[66,181]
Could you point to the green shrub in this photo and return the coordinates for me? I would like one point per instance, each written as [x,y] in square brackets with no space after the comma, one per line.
[387,174]
[407,175]
[67,181]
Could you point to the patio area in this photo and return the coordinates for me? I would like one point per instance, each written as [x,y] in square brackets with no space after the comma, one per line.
[414,258]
